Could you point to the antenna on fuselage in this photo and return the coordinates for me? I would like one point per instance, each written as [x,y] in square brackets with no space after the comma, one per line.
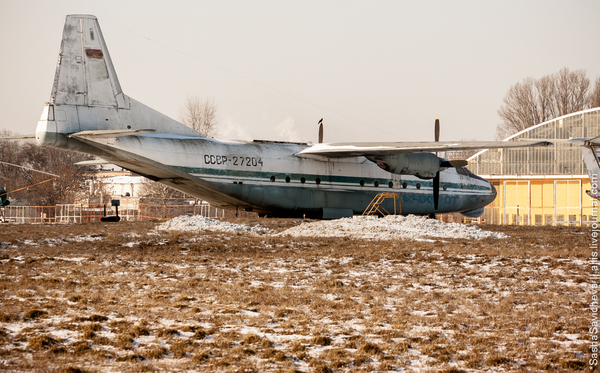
[321,131]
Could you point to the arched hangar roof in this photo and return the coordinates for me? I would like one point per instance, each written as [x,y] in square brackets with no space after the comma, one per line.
[562,158]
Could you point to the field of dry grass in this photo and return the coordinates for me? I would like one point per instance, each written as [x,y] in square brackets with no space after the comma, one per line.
[125,297]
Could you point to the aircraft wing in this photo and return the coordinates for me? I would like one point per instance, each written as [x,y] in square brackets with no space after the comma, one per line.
[339,150]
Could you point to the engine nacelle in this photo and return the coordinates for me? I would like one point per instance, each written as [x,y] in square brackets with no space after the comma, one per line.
[473,213]
[422,165]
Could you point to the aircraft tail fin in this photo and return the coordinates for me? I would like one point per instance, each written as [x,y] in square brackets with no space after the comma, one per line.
[85,74]
[590,149]
[87,98]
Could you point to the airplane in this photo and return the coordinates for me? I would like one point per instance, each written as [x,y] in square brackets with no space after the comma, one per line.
[89,112]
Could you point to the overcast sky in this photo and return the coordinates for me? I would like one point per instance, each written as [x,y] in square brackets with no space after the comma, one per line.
[374,70]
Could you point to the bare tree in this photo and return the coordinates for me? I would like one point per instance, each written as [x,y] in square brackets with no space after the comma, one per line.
[532,102]
[595,94]
[571,91]
[200,115]
[153,189]
[38,191]
[518,110]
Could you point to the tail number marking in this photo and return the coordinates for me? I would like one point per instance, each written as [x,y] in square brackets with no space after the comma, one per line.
[233,160]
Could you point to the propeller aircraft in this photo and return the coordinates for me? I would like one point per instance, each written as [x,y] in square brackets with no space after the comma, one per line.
[89,112]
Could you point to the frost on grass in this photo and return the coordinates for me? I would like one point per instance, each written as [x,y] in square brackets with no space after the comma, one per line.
[390,227]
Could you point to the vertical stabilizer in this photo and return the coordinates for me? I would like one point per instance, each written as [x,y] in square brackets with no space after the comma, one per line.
[589,148]
[85,75]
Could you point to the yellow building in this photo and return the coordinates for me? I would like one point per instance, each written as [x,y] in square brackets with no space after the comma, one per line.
[541,186]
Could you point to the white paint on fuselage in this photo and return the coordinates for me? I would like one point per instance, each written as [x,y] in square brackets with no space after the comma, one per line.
[255,163]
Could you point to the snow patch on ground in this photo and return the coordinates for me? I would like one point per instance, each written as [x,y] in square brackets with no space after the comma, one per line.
[390,227]
[369,227]
[198,223]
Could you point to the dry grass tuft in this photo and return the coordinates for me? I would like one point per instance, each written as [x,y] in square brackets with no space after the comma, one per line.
[320,367]
[321,340]
[72,370]
[250,338]
[42,342]
[166,332]
[369,349]
[138,330]
[34,314]
[155,352]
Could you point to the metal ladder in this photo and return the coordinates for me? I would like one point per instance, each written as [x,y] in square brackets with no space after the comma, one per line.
[376,208]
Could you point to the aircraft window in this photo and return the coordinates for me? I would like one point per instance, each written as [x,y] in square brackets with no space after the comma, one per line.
[287,179]
[445,187]
[390,184]
[418,185]
[302,180]
[318,181]
[376,183]
[273,178]
[404,185]
[462,171]
[362,183]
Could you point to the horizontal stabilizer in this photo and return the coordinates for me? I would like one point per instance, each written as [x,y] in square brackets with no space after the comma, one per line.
[104,134]
[18,137]
[93,162]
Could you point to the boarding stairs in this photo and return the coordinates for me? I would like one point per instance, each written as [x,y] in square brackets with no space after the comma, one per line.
[375,207]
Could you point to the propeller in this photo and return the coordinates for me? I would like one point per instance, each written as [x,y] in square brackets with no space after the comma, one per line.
[321,131]
[436,178]
[443,164]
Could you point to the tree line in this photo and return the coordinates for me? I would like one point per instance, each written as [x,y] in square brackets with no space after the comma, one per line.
[534,101]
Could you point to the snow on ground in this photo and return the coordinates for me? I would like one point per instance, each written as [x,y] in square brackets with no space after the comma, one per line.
[199,223]
[390,227]
[369,227]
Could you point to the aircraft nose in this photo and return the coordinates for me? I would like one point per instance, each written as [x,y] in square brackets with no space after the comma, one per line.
[494,191]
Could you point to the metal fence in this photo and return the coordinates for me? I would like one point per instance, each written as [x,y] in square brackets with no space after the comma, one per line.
[153,212]
[88,213]
[28,214]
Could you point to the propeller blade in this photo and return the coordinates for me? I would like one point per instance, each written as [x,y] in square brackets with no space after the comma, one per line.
[436,190]
[454,163]
[321,131]
[437,129]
